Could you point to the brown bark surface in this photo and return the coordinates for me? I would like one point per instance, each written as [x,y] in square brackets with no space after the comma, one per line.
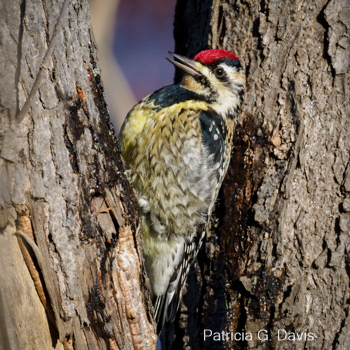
[71,267]
[277,254]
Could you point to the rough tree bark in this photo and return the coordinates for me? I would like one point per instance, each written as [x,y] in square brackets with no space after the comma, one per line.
[277,254]
[71,267]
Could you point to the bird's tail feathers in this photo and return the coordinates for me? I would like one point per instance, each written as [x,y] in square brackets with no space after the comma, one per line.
[166,305]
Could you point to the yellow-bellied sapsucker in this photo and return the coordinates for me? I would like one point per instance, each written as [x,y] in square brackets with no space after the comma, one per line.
[177,143]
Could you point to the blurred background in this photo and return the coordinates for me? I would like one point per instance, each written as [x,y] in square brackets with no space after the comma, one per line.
[133,37]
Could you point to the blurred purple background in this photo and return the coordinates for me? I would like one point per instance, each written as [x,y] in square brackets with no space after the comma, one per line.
[143,34]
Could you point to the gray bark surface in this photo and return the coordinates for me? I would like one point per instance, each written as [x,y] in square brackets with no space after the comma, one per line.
[71,266]
[277,254]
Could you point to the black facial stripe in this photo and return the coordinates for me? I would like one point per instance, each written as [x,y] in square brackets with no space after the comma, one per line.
[231,63]
[241,94]
[203,81]
[225,79]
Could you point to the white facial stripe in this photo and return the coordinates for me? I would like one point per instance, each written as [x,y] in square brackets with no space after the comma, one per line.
[226,94]
[228,98]
[234,75]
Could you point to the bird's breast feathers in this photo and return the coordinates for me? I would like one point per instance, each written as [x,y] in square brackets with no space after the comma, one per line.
[176,155]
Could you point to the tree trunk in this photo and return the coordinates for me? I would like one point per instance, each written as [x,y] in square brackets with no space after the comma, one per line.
[276,258]
[71,266]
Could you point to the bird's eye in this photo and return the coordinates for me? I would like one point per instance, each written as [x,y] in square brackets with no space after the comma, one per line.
[219,72]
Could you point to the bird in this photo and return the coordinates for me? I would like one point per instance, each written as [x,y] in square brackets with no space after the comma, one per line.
[177,143]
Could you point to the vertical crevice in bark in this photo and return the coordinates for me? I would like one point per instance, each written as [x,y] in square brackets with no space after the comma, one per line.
[191,28]
[322,20]
[19,51]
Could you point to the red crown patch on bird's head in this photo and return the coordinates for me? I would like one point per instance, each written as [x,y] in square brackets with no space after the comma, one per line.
[211,56]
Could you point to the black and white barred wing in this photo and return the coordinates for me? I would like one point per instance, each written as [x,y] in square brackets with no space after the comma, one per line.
[167,305]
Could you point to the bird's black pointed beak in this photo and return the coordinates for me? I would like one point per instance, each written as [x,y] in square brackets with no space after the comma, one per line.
[185,64]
